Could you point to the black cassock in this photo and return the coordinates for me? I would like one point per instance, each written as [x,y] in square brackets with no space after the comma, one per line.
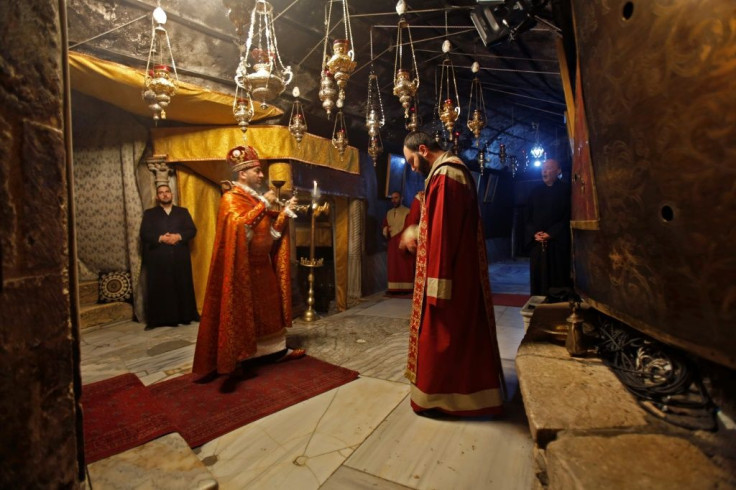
[170,289]
[548,210]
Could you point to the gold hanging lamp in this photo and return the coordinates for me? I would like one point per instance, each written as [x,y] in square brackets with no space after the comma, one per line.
[339,134]
[297,119]
[476,105]
[405,88]
[158,85]
[261,73]
[336,69]
[374,116]
[448,109]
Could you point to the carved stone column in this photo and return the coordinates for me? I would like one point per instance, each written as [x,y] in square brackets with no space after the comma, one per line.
[162,173]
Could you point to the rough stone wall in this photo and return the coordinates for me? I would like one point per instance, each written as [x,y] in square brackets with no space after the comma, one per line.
[37,405]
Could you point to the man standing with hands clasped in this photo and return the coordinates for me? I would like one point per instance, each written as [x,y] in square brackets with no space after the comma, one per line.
[165,233]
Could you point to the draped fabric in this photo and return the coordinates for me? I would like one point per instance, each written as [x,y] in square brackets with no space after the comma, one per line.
[400,263]
[248,298]
[454,363]
[192,144]
[108,144]
[121,86]
[202,198]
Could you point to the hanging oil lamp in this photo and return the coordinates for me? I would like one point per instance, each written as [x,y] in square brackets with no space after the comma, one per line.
[405,88]
[243,110]
[337,68]
[413,123]
[449,109]
[327,92]
[476,105]
[158,85]
[374,116]
[297,120]
[339,134]
[261,73]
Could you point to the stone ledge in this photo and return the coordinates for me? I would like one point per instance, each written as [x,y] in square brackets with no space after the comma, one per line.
[562,393]
[102,314]
[631,461]
[88,292]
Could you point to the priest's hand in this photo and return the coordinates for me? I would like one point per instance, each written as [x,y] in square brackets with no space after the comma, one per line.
[541,236]
[270,196]
[291,202]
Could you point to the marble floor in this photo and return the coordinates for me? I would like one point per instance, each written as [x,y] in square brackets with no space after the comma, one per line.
[360,435]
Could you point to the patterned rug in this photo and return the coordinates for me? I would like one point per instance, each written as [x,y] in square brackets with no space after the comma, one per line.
[204,411]
[120,413]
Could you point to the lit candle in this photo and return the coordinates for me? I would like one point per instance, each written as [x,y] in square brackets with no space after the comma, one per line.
[314,192]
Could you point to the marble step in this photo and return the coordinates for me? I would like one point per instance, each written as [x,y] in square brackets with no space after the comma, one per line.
[105,313]
[166,462]
[88,292]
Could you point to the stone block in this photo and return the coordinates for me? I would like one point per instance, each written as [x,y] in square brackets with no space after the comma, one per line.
[166,462]
[103,314]
[565,394]
[88,292]
[631,461]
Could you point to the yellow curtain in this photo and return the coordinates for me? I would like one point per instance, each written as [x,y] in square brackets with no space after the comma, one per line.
[121,86]
[341,252]
[194,144]
[202,199]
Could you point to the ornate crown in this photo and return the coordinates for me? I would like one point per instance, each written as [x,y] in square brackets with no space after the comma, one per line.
[242,158]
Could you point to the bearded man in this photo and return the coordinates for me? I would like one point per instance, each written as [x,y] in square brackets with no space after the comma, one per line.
[454,364]
[247,305]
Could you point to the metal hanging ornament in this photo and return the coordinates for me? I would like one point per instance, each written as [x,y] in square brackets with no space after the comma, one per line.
[448,109]
[158,85]
[243,109]
[374,116]
[297,119]
[339,134]
[476,105]
[405,88]
[261,73]
[337,68]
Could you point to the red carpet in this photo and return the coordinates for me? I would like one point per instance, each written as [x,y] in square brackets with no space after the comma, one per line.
[202,412]
[517,300]
[120,413]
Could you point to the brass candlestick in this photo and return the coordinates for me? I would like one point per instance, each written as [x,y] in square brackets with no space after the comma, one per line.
[311,315]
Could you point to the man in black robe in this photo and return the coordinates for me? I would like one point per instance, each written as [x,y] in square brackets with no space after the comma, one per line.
[165,233]
[547,232]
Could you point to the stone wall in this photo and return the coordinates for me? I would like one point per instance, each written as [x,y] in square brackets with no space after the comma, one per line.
[37,342]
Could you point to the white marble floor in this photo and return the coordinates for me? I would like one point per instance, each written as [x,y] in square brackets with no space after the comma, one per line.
[360,435]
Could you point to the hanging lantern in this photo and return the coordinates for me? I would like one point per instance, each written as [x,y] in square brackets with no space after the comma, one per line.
[375,147]
[405,88]
[297,120]
[158,86]
[265,77]
[374,117]
[243,110]
[339,134]
[476,105]
[449,109]
[336,69]
[413,123]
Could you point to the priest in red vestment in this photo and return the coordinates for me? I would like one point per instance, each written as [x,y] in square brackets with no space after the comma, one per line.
[247,304]
[454,364]
[400,263]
